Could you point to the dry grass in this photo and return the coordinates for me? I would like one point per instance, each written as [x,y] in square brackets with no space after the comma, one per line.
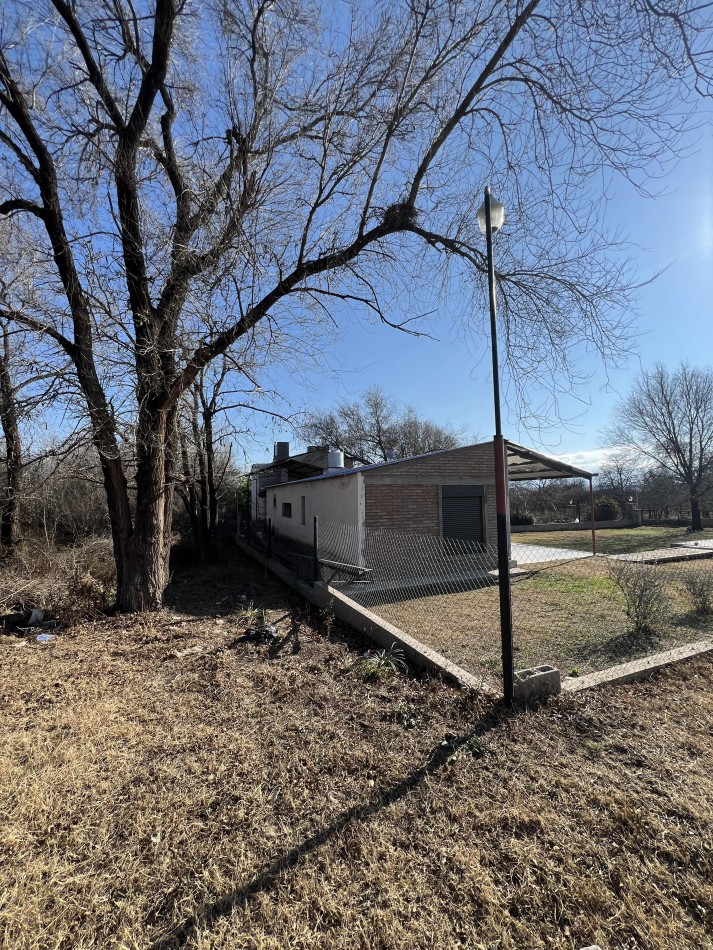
[571,614]
[65,582]
[251,796]
[614,540]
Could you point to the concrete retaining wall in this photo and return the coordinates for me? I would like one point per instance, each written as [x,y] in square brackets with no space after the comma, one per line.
[380,631]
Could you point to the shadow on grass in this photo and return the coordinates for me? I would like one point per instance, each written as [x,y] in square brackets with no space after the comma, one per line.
[621,648]
[210,913]
[698,622]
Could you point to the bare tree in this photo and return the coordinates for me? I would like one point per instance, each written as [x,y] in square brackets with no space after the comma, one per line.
[27,384]
[176,151]
[621,476]
[374,428]
[214,419]
[668,418]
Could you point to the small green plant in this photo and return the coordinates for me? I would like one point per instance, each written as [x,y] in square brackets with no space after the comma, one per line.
[593,747]
[644,590]
[407,715]
[251,614]
[698,586]
[380,664]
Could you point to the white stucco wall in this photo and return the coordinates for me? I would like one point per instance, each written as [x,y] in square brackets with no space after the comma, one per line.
[333,500]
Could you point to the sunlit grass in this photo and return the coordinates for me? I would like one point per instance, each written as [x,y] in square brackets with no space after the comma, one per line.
[613,540]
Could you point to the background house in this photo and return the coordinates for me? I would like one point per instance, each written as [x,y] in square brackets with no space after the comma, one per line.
[288,468]
[448,494]
[397,517]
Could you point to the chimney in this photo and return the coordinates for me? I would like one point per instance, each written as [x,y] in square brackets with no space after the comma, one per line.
[282,451]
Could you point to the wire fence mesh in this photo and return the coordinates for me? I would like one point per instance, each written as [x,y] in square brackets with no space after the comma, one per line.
[579,612]
[573,610]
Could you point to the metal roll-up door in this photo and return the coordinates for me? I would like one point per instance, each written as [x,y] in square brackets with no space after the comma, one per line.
[462,512]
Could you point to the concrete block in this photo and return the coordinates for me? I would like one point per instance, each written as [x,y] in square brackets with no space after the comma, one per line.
[537,683]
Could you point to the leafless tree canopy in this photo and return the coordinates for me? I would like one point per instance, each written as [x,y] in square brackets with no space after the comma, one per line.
[374,428]
[668,418]
[267,157]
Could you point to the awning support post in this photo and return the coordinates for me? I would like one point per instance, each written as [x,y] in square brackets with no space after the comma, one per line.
[592,516]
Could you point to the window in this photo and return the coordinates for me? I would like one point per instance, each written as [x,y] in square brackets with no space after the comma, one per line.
[303,507]
[286,509]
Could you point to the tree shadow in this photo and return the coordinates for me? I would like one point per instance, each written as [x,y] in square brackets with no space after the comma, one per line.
[621,648]
[210,913]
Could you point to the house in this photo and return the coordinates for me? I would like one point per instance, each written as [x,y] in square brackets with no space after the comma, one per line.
[447,495]
[284,467]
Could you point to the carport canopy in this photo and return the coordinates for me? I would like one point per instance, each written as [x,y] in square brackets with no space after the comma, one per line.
[528,465]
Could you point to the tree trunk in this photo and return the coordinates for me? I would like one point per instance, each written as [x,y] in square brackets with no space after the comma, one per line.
[212,487]
[696,521]
[13,450]
[142,558]
[188,494]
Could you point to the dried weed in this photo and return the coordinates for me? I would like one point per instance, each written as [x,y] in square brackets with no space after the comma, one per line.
[230,799]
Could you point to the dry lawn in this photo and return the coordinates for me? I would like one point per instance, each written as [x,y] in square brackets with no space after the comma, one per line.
[614,540]
[247,797]
[570,614]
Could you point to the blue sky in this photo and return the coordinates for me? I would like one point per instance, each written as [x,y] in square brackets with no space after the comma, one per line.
[450,383]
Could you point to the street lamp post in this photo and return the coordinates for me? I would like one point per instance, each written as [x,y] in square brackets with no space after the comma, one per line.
[490,219]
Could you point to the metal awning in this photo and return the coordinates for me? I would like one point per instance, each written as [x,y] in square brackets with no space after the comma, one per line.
[526,465]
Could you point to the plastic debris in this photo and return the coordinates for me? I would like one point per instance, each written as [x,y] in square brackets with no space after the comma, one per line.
[46,638]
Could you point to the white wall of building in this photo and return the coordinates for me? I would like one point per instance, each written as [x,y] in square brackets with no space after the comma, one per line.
[334,500]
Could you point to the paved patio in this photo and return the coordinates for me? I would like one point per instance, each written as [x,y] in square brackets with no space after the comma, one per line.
[539,554]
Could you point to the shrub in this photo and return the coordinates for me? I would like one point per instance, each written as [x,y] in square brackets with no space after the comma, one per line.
[521,518]
[699,588]
[607,509]
[68,583]
[380,664]
[644,589]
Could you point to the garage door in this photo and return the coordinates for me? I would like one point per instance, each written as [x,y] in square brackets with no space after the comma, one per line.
[462,511]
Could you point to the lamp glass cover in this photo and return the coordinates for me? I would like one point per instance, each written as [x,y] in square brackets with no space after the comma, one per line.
[497,216]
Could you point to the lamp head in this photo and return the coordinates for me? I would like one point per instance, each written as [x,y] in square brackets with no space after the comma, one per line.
[497,216]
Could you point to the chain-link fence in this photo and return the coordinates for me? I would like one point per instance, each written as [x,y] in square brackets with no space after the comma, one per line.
[579,612]
[585,613]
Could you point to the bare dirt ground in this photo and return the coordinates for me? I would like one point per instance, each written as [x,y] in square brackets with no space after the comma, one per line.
[265,796]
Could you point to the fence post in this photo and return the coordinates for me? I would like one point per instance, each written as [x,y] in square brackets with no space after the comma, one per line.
[501,504]
[315,553]
[269,538]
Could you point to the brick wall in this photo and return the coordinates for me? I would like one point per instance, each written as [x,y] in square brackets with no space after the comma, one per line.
[405,496]
[403,507]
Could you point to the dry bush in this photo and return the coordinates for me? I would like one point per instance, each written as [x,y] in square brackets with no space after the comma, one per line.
[68,583]
[698,586]
[644,589]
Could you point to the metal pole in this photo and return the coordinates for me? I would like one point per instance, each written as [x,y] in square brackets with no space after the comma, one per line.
[591,515]
[500,451]
[315,566]
[493,313]
[269,538]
